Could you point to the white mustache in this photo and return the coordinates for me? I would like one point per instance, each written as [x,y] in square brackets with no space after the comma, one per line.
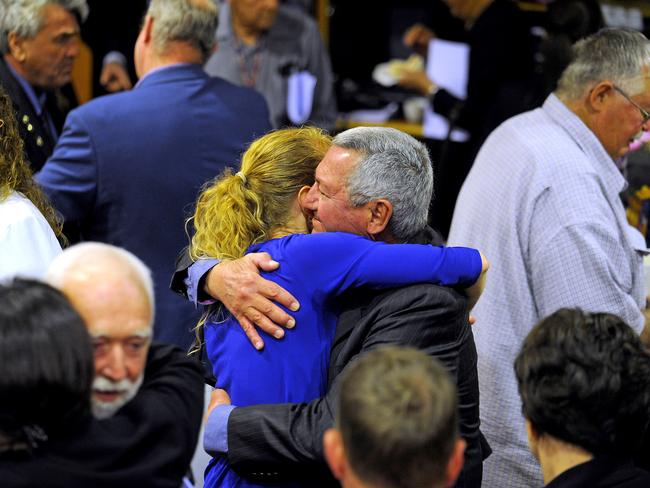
[104,384]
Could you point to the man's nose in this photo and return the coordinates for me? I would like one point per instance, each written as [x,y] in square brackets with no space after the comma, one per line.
[115,367]
[73,48]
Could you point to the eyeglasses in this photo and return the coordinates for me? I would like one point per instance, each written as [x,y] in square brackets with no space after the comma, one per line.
[645,115]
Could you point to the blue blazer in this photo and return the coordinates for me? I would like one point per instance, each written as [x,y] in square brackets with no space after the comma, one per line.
[128,168]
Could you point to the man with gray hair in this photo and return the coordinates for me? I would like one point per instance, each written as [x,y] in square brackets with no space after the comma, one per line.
[373,182]
[149,397]
[542,200]
[39,41]
[128,166]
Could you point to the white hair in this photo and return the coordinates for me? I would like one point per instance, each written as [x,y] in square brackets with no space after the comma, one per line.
[25,17]
[75,257]
[394,166]
[618,55]
[190,21]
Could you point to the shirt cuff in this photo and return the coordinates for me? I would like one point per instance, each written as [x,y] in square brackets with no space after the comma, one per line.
[195,274]
[215,439]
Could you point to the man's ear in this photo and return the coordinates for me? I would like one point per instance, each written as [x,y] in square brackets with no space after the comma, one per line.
[303,195]
[380,213]
[599,95]
[335,453]
[456,461]
[16,49]
[147,29]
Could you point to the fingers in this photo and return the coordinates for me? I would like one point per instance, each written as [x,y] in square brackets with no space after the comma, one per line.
[263,261]
[250,331]
[417,37]
[271,290]
[217,398]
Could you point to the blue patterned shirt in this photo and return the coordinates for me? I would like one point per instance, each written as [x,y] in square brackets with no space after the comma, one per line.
[542,203]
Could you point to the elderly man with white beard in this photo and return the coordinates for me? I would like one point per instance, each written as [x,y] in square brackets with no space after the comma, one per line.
[113,292]
[149,395]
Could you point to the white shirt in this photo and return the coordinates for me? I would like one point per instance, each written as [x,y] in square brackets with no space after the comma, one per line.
[542,203]
[27,242]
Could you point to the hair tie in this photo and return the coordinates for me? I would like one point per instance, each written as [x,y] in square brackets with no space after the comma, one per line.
[242,176]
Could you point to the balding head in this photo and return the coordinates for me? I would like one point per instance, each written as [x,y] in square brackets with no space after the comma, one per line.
[112,291]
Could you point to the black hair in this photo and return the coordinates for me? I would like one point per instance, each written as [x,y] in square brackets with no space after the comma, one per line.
[584,378]
[46,362]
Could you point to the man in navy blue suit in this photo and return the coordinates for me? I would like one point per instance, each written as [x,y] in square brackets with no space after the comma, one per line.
[128,166]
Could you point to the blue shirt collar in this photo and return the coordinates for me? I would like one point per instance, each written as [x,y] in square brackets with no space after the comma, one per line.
[36,100]
[159,69]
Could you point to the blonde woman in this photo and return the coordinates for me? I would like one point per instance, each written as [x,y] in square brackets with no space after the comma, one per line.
[258,209]
[29,227]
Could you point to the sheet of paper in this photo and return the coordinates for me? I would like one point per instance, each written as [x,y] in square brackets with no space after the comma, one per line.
[300,96]
[372,116]
[447,66]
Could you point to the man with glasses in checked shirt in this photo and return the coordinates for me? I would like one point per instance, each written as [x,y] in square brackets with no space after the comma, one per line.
[542,201]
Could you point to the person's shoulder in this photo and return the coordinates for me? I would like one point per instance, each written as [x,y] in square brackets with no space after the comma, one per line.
[422,296]
[17,209]
[235,94]
[291,16]
[104,105]
[295,24]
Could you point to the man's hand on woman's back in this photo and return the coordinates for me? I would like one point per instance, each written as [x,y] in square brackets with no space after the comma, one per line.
[251,299]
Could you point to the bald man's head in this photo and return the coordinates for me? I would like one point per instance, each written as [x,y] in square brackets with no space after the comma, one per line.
[112,291]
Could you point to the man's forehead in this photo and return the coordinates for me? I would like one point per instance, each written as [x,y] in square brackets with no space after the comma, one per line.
[337,163]
[57,17]
[103,333]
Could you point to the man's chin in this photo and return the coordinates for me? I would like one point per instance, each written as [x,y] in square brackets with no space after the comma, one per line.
[103,409]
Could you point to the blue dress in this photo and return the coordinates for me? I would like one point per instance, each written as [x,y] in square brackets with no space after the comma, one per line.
[316,269]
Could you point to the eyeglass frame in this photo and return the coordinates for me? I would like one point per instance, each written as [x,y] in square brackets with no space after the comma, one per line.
[645,115]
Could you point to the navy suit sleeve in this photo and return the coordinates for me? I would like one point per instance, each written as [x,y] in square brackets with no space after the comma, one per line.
[69,176]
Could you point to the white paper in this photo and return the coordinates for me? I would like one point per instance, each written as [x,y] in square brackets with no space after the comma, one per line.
[300,96]
[447,66]
[375,116]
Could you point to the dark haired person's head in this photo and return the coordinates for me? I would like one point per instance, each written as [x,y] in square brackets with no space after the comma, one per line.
[584,380]
[397,423]
[46,363]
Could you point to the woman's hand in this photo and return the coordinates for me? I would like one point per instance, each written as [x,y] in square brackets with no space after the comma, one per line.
[218,397]
[474,291]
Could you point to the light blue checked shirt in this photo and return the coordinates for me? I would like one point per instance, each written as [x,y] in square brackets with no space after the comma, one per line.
[542,202]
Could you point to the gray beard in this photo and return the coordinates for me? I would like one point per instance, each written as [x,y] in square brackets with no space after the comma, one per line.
[103,410]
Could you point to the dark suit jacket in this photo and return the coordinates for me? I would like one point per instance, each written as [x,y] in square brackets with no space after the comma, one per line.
[273,438]
[39,143]
[148,442]
[129,166]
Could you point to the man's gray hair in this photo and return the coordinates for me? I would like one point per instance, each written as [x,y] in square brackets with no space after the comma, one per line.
[89,253]
[394,166]
[618,55]
[191,21]
[25,17]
